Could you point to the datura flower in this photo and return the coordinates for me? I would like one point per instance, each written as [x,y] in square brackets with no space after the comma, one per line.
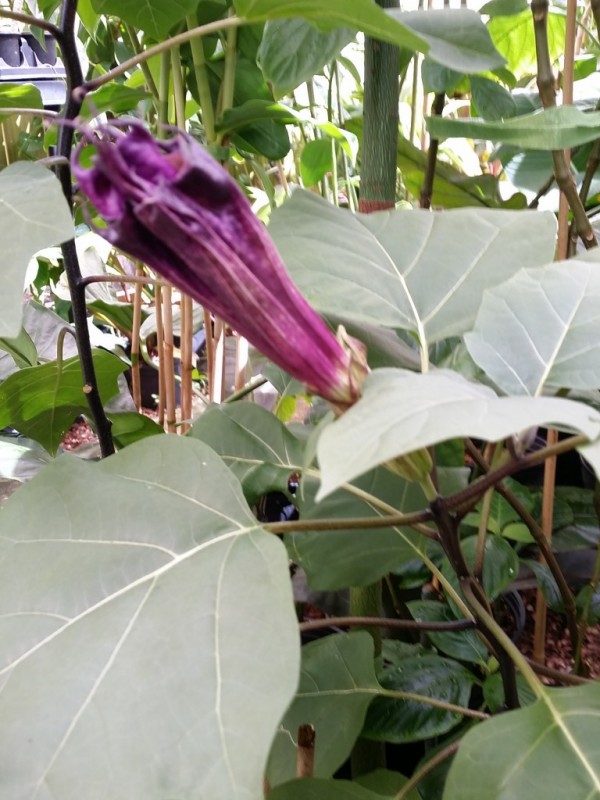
[169,204]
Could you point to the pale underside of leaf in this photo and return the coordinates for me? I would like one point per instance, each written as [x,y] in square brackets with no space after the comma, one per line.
[402,411]
[541,329]
[421,271]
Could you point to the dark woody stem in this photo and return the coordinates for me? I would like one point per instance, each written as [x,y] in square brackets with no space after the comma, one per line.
[474,594]
[65,36]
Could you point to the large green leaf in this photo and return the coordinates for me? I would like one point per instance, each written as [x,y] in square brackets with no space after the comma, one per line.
[364,15]
[547,751]
[550,129]
[259,449]
[42,402]
[148,632]
[337,683]
[457,38]
[402,411]
[292,51]
[541,328]
[412,669]
[154,17]
[418,270]
[34,215]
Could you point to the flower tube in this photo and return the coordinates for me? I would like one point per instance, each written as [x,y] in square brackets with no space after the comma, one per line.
[172,206]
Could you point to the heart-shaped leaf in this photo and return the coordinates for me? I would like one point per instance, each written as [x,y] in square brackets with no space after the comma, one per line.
[149,640]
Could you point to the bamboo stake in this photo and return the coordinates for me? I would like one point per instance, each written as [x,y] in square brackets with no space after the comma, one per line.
[187,332]
[169,366]
[160,344]
[305,752]
[136,389]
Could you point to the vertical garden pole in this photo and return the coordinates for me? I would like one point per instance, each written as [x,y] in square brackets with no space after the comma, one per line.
[380,132]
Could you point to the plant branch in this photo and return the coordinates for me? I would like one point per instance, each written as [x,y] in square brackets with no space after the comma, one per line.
[464,500]
[162,47]
[391,521]
[27,19]
[545,82]
[427,188]
[423,771]
[384,622]
[541,541]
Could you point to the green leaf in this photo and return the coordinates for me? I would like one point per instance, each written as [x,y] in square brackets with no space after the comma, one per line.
[21,348]
[586,599]
[552,129]
[292,51]
[20,95]
[154,17]
[523,356]
[137,667]
[253,111]
[323,789]
[316,161]
[267,138]
[42,402]
[114,97]
[493,692]
[514,37]
[358,557]
[501,513]
[387,783]
[492,101]
[117,315]
[457,38]
[462,645]
[337,683]
[554,738]
[503,8]
[384,268]
[439,79]
[500,565]
[35,215]
[129,427]
[417,672]
[261,452]
[364,15]
[88,16]
[401,411]
[547,583]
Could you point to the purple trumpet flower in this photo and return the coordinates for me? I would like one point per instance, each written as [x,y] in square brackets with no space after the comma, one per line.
[172,206]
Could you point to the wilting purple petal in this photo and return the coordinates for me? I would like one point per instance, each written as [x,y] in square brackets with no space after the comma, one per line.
[171,205]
